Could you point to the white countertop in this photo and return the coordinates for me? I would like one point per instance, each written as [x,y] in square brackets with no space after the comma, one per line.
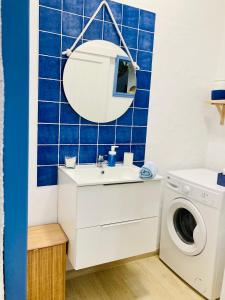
[84,175]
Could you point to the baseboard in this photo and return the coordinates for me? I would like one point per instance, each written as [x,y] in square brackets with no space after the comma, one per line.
[76,273]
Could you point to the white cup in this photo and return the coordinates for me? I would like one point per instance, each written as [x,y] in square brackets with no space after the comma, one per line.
[70,162]
[128,158]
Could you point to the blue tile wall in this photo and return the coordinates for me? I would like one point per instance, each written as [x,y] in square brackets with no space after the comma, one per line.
[61,131]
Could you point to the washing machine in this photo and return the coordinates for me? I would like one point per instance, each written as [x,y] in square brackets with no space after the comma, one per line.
[192,239]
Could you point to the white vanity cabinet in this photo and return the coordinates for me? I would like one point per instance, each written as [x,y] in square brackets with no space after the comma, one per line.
[108,222]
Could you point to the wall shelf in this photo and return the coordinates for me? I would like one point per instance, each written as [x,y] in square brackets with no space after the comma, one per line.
[220,105]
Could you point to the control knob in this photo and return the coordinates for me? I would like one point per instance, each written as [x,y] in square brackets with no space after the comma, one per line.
[186,189]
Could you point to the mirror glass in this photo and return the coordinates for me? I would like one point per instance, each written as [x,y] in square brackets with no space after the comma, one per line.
[99,81]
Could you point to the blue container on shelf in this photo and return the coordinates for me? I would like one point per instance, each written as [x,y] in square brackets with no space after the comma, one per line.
[218,90]
[221,179]
[218,94]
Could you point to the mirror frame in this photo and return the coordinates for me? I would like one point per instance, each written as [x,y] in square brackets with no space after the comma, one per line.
[115,93]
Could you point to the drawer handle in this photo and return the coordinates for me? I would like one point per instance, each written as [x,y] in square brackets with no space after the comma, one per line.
[120,223]
[120,183]
[172,185]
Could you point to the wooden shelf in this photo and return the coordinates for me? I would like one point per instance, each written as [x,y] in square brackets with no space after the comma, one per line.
[45,236]
[220,105]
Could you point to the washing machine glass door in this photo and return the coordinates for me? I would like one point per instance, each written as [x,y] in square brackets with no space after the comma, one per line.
[186,226]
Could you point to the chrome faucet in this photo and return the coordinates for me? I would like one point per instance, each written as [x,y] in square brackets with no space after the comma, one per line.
[100,161]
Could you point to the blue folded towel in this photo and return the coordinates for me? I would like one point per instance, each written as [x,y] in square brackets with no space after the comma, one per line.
[148,171]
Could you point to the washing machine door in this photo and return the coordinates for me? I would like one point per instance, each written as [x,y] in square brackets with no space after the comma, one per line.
[186,226]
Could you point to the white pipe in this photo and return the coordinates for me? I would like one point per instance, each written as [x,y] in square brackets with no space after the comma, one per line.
[69,51]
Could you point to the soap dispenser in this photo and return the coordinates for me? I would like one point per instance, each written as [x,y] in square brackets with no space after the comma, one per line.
[112,156]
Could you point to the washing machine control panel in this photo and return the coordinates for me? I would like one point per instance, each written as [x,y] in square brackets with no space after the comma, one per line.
[207,197]
[202,195]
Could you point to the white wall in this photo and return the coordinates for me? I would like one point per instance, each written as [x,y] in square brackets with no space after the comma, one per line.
[184,67]
[42,207]
[186,51]
[215,155]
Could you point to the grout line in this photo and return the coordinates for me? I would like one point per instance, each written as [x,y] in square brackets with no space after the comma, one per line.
[64,58]
[50,101]
[60,90]
[139,12]
[121,28]
[55,165]
[115,131]
[103,20]
[78,150]
[131,138]
[82,38]
[62,102]
[97,154]
[74,14]
[79,126]
[74,37]
[90,125]
[50,56]
[45,78]
[121,144]
[98,130]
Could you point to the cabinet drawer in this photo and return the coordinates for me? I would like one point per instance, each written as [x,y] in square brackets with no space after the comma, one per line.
[102,244]
[98,205]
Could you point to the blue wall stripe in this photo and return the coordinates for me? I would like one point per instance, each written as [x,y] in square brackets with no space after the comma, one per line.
[15,22]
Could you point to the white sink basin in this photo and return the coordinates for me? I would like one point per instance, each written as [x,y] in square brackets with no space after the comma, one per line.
[92,175]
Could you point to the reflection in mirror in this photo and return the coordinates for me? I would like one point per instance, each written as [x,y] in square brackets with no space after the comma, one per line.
[125,80]
[99,81]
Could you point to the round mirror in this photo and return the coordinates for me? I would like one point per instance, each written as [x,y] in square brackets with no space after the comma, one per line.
[99,81]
